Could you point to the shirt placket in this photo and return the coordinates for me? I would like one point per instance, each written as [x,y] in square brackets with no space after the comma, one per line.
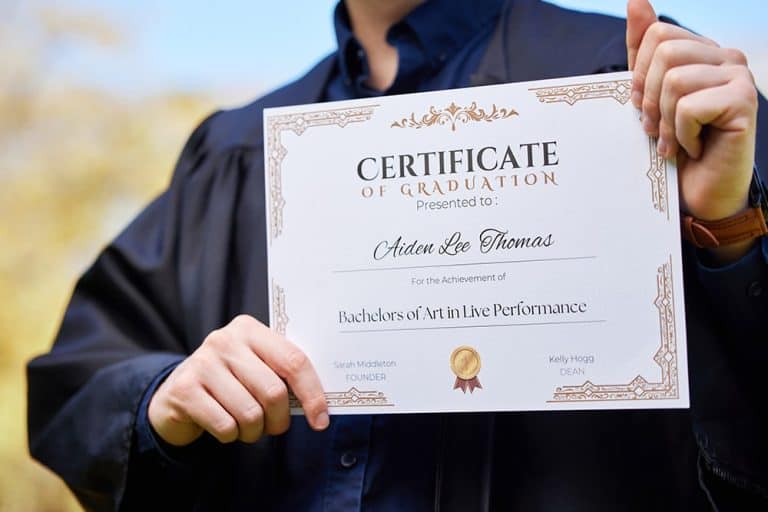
[347,464]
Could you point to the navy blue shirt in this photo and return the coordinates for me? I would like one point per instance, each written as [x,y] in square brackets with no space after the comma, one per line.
[373,461]
[439,45]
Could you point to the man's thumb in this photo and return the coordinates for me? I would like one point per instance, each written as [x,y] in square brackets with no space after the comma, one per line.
[640,16]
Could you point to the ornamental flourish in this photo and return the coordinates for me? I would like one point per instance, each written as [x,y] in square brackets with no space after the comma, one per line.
[453,114]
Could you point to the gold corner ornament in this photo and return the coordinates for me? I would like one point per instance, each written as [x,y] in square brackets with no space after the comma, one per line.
[353,397]
[619,90]
[453,114]
[299,123]
[666,358]
[465,364]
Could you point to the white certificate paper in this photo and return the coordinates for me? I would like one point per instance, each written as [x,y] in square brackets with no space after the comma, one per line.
[503,248]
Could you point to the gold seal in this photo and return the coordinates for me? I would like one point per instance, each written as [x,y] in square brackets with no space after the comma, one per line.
[465,364]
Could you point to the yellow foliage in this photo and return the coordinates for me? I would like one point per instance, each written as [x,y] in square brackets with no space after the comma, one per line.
[75,166]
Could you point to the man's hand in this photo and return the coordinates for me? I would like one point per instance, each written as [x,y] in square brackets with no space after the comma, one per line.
[700,101]
[233,388]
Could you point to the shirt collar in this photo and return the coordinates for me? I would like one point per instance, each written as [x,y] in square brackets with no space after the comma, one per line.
[430,34]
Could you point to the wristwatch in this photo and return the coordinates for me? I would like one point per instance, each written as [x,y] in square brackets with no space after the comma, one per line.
[741,227]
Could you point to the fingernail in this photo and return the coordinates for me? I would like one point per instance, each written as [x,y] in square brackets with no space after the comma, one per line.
[322,421]
[661,147]
[637,99]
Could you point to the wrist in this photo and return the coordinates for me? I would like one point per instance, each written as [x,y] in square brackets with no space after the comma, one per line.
[725,254]
[726,232]
[712,211]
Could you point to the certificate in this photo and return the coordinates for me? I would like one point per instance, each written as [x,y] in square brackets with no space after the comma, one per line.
[503,248]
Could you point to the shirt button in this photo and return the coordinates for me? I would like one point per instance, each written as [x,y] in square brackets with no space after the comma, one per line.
[348,460]
[755,289]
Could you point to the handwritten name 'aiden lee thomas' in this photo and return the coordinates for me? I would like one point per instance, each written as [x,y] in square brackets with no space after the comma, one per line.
[490,239]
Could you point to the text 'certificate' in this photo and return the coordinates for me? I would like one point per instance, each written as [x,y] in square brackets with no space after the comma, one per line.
[501,248]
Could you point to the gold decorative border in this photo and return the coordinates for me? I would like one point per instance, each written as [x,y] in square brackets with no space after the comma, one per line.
[350,398]
[453,114]
[666,357]
[620,90]
[279,316]
[299,123]
[353,397]
[657,174]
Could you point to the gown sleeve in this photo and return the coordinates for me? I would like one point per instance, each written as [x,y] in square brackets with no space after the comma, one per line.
[123,327]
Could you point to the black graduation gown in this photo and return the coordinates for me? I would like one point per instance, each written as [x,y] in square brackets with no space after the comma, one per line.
[196,257]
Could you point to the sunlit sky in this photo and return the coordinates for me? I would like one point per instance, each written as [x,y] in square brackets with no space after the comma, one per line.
[244,47]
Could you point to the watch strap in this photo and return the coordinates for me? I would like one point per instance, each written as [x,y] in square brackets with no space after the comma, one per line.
[741,227]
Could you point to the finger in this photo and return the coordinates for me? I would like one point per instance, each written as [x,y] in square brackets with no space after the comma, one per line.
[678,82]
[655,35]
[640,16]
[728,108]
[262,383]
[673,53]
[291,363]
[237,401]
[208,413]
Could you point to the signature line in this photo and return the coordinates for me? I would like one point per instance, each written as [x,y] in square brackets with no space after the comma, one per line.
[447,265]
[402,329]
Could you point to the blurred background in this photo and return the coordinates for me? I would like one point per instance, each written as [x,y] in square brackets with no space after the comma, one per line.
[96,100]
